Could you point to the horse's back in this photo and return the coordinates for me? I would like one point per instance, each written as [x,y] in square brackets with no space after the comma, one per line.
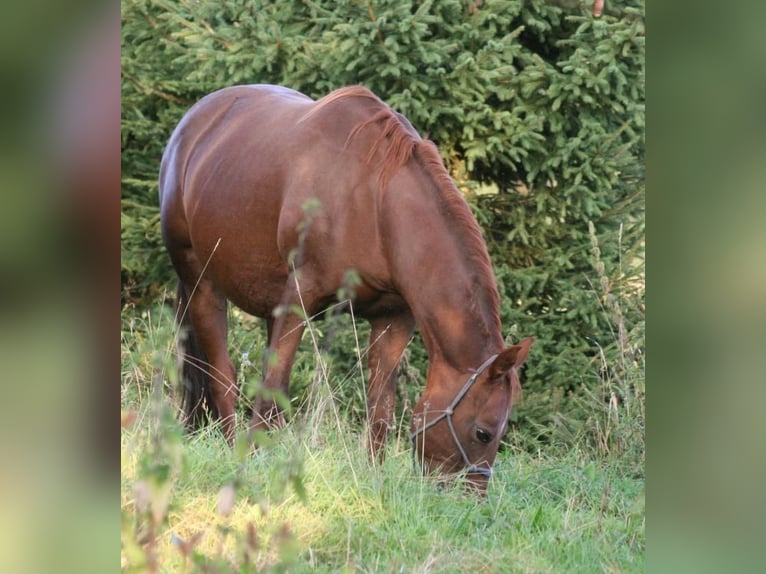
[225,123]
[239,170]
[244,141]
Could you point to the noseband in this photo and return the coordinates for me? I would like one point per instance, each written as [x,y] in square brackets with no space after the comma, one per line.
[471,468]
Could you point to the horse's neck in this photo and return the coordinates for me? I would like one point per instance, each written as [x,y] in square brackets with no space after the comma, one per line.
[455,317]
[452,295]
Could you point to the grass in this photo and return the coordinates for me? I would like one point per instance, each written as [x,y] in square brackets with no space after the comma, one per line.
[542,513]
[312,501]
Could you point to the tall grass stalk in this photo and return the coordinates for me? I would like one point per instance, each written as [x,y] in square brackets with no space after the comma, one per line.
[617,422]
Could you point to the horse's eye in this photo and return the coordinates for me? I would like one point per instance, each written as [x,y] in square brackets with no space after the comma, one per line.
[483,435]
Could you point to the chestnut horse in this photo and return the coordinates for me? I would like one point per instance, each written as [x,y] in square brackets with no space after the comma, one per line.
[235,178]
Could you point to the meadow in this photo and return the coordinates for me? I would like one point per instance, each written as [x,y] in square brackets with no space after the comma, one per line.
[310,499]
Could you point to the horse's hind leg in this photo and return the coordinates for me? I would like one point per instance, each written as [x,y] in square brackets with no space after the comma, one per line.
[207,311]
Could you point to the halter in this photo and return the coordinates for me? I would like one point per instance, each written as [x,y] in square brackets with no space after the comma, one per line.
[447,414]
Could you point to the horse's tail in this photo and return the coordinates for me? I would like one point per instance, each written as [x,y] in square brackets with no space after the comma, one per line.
[196,399]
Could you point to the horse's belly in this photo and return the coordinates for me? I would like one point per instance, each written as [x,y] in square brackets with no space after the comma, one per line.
[257,294]
[370,303]
[252,280]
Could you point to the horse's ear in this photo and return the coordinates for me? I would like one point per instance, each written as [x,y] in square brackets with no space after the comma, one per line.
[510,358]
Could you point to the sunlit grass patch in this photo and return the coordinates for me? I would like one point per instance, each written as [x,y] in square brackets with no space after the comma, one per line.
[542,514]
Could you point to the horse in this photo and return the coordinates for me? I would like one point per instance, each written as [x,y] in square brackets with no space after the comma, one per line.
[235,180]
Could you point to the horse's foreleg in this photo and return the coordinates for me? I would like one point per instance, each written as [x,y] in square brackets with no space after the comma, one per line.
[388,338]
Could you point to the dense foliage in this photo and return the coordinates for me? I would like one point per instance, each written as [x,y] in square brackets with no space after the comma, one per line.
[537,108]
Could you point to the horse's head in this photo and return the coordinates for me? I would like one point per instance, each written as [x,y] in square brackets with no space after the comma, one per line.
[457,424]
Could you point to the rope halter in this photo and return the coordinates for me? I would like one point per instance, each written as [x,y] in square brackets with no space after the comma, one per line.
[471,468]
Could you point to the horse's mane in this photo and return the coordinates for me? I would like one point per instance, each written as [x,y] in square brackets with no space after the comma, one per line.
[394,128]
[405,143]
[472,239]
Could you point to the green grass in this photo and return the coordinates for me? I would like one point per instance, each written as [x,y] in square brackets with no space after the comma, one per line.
[311,500]
[320,505]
